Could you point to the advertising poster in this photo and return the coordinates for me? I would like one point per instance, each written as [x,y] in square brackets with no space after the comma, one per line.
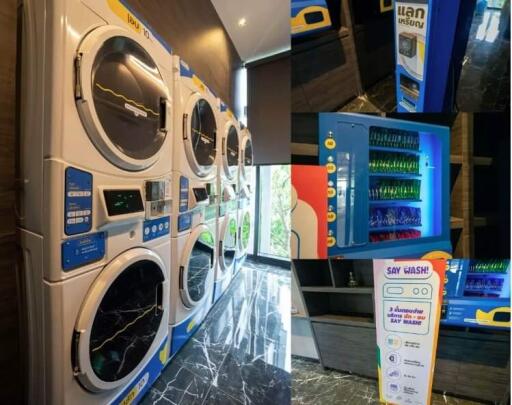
[411,19]
[309,212]
[408,298]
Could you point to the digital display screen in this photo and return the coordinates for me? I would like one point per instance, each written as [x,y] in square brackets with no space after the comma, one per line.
[200,194]
[122,202]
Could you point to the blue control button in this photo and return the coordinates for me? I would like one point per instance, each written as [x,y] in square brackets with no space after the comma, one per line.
[183,194]
[77,202]
[155,228]
[83,250]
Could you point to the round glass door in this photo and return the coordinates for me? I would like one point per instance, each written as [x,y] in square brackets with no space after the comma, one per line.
[127,321]
[202,137]
[245,231]
[120,320]
[197,271]
[123,101]
[229,243]
[247,156]
[231,152]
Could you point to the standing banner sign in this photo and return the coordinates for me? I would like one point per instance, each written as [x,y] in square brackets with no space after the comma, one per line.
[408,298]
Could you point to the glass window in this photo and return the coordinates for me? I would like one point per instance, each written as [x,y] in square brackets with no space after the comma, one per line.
[275,199]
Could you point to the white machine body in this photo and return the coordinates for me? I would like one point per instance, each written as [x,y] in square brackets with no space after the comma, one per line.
[96,136]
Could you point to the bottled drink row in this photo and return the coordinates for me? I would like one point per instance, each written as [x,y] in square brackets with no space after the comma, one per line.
[395,190]
[394,138]
[484,283]
[394,216]
[488,266]
[394,163]
[398,235]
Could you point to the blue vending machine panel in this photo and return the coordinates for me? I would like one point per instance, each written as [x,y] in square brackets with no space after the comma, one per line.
[309,16]
[477,294]
[430,38]
[388,187]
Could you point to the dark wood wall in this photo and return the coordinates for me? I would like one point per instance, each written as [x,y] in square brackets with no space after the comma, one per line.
[325,73]
[195,32]
[10,385]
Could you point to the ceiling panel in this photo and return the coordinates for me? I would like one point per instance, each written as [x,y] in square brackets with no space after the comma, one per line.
[267,28]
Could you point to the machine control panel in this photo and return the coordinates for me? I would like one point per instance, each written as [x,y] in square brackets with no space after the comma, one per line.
[158,198]
[77,201]
[123,202]
[156,228]
[183,194]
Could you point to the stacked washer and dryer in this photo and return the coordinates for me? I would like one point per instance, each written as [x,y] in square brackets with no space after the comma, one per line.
[227,185]
[96,137]
[126,159]
[193,235]
[245,181]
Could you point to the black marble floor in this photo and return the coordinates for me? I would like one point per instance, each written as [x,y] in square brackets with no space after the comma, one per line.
[314,385]
[241,352]
[378,98]
[485,78]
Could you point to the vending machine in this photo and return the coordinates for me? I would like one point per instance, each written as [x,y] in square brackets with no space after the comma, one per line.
[477,294]
[309,16]
[388,187]
[431,38]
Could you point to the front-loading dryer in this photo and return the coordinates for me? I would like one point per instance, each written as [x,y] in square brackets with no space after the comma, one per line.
[227,184]
[193,263]
[96,136]
[195,144]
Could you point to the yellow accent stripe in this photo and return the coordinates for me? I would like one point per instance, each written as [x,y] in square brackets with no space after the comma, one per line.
[125,15]
[107,90]
[299,24]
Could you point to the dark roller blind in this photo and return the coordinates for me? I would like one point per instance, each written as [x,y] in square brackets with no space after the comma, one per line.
[268,109]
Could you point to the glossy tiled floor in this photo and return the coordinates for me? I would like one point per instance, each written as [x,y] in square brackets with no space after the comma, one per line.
[313,385]
[241,353]
[485,79]
[378,98]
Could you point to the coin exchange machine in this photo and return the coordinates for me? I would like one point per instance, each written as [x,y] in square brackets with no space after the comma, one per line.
[431,38]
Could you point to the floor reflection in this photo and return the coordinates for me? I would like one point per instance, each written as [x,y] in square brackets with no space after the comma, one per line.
[241,352]
[313,385]
[485,78]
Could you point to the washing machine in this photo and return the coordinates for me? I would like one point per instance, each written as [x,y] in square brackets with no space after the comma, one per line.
[195,145]
[245,220]
[227,180]
[193,266]
[96,134]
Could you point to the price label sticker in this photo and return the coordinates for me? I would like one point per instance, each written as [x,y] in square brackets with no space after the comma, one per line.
[330,143]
